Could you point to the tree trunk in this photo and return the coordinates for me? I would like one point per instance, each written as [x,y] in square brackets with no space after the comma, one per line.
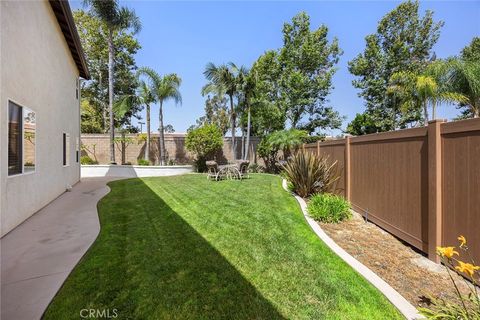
[110,95]
[232,119]
[247,146]
[147,147]
[425,113]
[124,147]
[243,143]
[105,124]
[102,104]
[162,137]
[434,110]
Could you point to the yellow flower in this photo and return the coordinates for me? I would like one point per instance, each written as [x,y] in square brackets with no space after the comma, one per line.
[446,252]
[463,241]
[468,268]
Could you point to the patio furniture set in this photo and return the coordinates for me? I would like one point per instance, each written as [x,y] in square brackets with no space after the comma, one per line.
[237,170]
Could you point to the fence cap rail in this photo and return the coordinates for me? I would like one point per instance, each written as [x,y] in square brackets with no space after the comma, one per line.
[391,135]
[460,126]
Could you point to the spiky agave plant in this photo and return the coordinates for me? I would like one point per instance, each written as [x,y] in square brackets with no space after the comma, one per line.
[309,173]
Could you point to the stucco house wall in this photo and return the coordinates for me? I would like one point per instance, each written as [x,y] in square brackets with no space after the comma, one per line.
[37,71]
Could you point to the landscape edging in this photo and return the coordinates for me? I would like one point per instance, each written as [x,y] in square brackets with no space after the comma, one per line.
[402,304]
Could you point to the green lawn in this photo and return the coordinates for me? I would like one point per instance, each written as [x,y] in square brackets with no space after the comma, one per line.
[187,248]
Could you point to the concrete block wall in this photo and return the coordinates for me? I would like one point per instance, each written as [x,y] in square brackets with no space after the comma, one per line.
[97,147]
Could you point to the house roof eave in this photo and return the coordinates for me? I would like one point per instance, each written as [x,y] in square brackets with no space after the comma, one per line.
[64,16]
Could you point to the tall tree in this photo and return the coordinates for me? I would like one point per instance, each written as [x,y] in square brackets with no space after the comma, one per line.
[224,78]
[295,80]
[307,62]
[216,112]
[403,42]
[169,129]
[146,98]
[116,19]
[269,114]
[163,88]
[247,83]
[362,124]
[472,51]
[463,77]
[93,36]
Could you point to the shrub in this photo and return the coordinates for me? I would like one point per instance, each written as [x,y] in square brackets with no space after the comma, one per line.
[143,162]
[268,154]
[87,160]
[329,208]
[204,142]
[287,140]
[467,306]
[311,174]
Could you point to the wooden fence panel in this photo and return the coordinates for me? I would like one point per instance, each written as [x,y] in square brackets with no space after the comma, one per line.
[335,150]
[461,183]
[389,183]
[311,147]
[421,184]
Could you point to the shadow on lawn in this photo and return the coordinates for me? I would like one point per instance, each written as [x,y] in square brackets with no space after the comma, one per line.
[148,263]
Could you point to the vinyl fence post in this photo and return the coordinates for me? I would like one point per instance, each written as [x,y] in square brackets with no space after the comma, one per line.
[347,169]
[434,188]
[318,148]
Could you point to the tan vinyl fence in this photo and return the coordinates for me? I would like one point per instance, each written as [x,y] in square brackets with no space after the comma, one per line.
[421,184]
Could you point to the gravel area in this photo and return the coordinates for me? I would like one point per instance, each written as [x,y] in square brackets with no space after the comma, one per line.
[406,270]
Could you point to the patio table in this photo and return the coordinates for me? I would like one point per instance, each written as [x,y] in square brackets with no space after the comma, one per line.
[229,171]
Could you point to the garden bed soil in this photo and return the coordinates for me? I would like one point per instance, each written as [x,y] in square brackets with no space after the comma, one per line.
[409,272]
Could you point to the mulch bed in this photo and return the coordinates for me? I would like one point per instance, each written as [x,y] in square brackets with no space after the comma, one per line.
[406,270]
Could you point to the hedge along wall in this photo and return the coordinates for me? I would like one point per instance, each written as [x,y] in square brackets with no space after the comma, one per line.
[97,147]
[421,184]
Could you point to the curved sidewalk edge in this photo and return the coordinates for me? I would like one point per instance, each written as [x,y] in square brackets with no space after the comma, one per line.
[405,307]
[39,254]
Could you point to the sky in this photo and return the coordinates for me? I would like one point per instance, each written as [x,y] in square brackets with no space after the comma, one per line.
[183,36]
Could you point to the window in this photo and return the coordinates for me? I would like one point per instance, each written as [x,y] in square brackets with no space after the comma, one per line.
[77,150]
[15,124]
[21,139]
[66,149]
[29,132]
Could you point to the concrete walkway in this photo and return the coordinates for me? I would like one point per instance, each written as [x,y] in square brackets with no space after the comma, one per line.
[38,255]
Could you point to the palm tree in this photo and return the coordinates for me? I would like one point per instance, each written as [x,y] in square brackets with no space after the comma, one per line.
[462,77]
[116,19]
[224,78]
[143,97]
[163,89]
[287,140]
[426,90]
[421,90]
[146,98]
[247,82]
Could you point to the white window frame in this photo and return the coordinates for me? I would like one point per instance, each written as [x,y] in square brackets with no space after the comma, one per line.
[23,173]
